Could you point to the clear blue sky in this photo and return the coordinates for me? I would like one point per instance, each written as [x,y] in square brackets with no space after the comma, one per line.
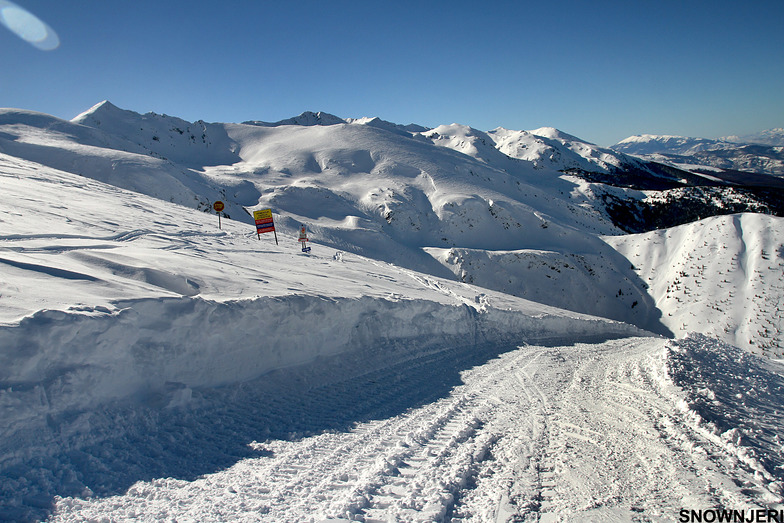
[601,70]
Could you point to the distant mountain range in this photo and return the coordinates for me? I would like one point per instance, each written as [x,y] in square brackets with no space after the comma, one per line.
[773,137]
[761,154]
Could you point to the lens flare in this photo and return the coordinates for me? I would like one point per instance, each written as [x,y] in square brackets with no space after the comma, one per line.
[27,26]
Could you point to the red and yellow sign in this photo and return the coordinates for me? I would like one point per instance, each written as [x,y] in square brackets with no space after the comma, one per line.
[264,221]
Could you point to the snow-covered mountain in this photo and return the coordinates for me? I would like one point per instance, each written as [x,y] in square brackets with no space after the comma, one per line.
[358,187]
[155,366]
[496,208]
[642,144]
[688,152]
[699,273]
[321,118]
[549,147]
[471,337]
[773,137]
[551,150]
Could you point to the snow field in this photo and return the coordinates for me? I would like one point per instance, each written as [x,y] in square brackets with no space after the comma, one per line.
[721,276]
[122,310]
[390,194]
[600,283]
[549,432]
[155,367]
[730,396]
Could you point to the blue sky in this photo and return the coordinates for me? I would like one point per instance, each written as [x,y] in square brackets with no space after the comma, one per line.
[600,70]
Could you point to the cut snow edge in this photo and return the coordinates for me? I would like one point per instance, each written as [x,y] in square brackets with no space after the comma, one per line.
[77,361]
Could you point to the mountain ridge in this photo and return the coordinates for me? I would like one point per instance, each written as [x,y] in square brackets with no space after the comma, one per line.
[448,201]
[723,154]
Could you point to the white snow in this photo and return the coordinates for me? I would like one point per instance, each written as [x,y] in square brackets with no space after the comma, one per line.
[758,154]
[548,147]
[773,137]
[419,364]
[721,276]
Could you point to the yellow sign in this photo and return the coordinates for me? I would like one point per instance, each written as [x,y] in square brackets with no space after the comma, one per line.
[263,214]
[264,223]
[218,206]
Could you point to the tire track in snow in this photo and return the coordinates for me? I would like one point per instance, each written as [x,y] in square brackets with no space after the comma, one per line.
[611,459]
[338,473]
[577,432]
[509,483]
[621,450]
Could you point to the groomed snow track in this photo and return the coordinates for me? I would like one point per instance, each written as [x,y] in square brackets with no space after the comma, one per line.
[97,399]
[560,431]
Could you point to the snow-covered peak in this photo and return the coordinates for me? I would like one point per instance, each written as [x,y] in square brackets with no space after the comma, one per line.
[645,138]
[458,134]
[308,118]
[663,143]
[555,134]
[547,147]
[104,109]
[367,120]
[469,141]
[111,118]
[774,137]
[389,126]
[166,137]
[503,132]
[311,118]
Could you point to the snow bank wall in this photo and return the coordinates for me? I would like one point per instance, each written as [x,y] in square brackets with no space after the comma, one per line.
[733,399]
[62,363]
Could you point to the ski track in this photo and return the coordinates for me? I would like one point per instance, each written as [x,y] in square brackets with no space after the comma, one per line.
[582,432]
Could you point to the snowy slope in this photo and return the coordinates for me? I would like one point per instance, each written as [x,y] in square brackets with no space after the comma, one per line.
[448,201]
[720,276]
[549,147]
[192,144]
[366,186]
[120,157]
[113,298]
[552,151]
[154,366]
[601,283]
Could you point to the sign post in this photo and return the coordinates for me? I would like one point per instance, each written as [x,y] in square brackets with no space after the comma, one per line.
[218,206]
[264,223]
[303,238]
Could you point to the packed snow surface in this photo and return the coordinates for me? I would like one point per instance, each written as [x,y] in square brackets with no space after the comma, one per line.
[418,364]
[624,430]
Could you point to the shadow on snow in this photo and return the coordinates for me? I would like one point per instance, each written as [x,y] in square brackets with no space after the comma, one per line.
[212,432]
